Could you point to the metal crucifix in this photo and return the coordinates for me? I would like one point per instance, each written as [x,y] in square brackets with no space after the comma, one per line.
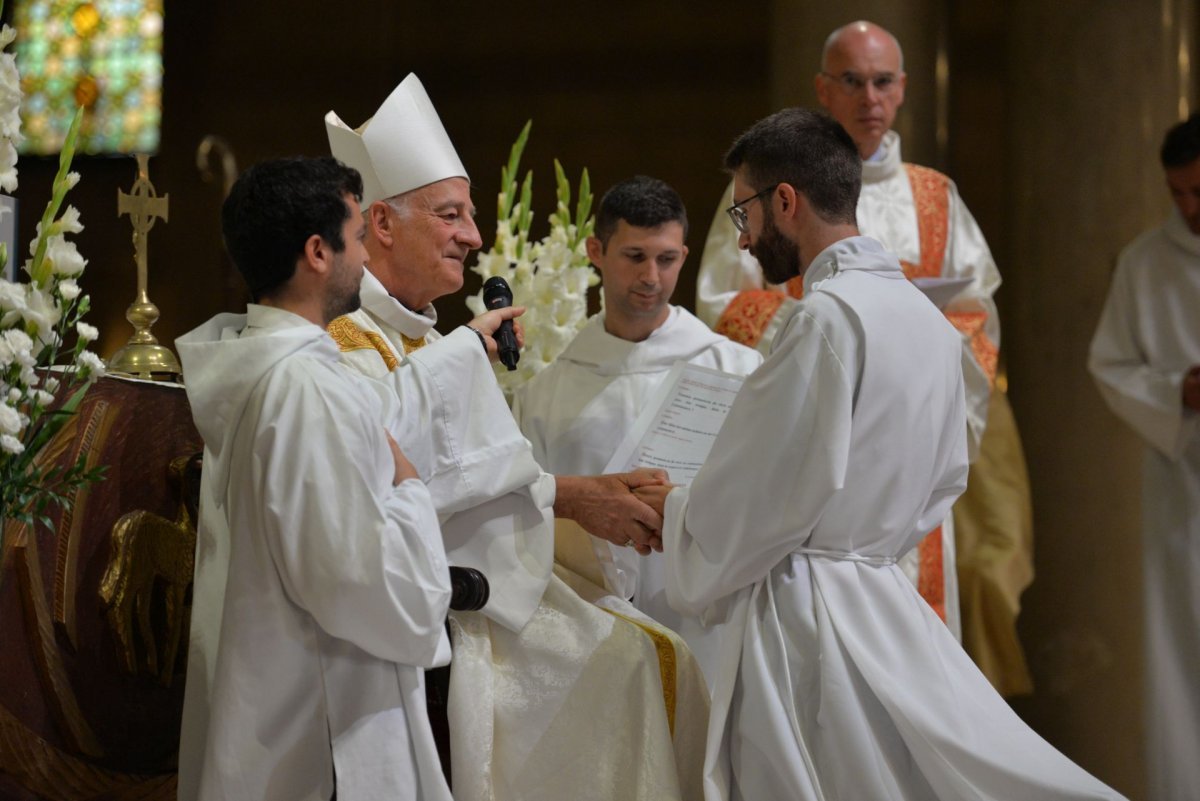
[142,356]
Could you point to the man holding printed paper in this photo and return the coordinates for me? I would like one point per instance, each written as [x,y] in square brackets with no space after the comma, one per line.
[578,410]
[835,679]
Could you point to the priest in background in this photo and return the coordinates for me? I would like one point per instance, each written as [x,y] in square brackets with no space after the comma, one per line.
[556,689]
[1145,357]
[835,679]
[578,410]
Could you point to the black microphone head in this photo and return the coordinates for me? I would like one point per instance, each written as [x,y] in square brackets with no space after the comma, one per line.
[496,294]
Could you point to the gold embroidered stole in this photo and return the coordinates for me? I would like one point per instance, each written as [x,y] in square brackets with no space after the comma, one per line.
[666,663]
[349,336]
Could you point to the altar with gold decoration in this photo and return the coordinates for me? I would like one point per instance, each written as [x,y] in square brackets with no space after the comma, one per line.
[95,594]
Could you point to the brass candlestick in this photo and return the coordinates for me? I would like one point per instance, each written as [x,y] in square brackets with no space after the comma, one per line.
[142,356]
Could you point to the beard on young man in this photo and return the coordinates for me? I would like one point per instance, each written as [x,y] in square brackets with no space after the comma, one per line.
[778,256]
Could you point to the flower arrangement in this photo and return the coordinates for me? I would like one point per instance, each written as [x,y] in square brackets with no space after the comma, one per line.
[36,319]
[551,277]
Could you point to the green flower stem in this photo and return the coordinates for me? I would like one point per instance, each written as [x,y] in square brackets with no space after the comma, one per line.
[38,271]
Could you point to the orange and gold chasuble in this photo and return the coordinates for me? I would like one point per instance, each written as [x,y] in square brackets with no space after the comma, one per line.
[747,316]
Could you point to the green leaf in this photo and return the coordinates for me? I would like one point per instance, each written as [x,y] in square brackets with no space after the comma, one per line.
[564,187]
[526,202]
[514,155]
[584,208]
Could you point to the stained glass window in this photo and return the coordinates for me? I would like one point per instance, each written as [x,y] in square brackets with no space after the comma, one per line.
[104,55]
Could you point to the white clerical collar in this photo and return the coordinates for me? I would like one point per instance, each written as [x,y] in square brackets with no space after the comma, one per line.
[263,317]
[261,320]
[681,336]
[884,162]
[1178,232]
[377,301]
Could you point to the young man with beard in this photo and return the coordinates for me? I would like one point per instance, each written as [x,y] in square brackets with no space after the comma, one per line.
[836,680]
[335,585]
[973,574]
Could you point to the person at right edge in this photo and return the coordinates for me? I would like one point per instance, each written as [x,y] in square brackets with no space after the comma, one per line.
[1145,357]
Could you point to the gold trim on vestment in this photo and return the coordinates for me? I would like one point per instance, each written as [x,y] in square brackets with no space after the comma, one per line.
[666,663]
[349,336]
[411,344]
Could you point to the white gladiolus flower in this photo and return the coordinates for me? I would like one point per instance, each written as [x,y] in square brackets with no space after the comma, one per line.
[10,420]
[10,117]
[64,257]
[12,296]
[43,397]
[43,312]
[69,221]
[68,289]
[87,333]
[21,344]
[51,384]
[92,364]
[8,166]
[550,279]
[10,444]
[14,396]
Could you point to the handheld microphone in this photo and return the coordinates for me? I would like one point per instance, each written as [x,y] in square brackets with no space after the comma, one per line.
[497,295]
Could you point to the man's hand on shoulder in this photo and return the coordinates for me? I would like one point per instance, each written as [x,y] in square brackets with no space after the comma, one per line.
[1191,388]
[607,507]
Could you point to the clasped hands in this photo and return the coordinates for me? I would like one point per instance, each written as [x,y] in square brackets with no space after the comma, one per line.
[624,508]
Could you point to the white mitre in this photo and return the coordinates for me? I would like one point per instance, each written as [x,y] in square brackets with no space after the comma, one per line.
[403,147]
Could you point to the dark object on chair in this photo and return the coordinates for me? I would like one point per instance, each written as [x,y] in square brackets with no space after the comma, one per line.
[469,590]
